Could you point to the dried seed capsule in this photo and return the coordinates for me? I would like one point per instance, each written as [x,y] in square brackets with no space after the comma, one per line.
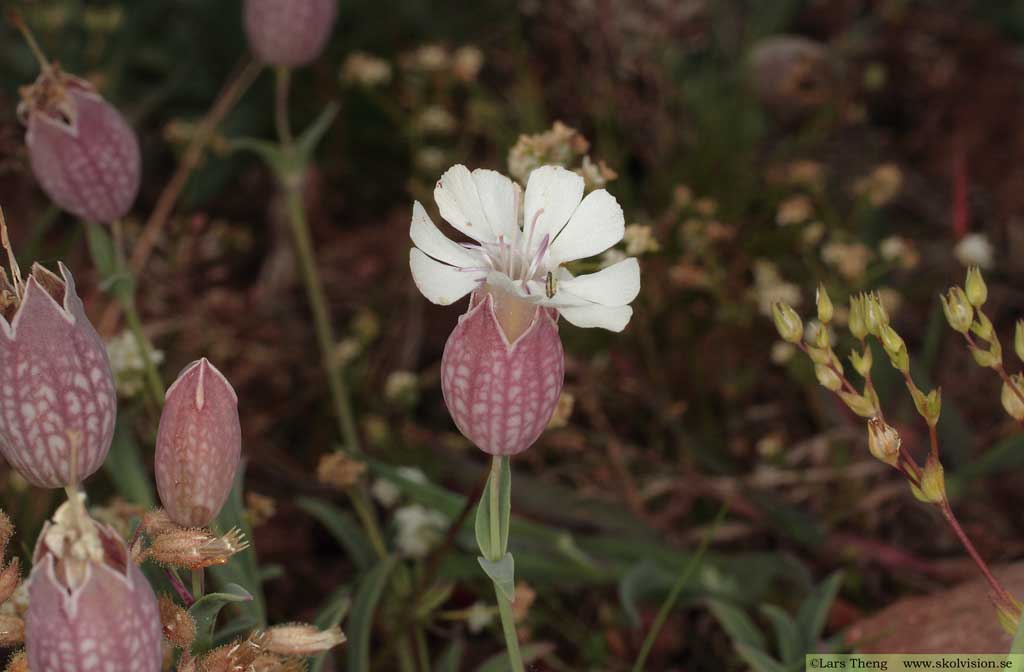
[302,639]
[57,400]
[289,32]
[502,372]
[90,608]
[198,445]
[195,548]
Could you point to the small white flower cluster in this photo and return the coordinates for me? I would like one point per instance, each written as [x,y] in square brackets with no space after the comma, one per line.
[770,288]
[975,249]
[127,363]
[418,530]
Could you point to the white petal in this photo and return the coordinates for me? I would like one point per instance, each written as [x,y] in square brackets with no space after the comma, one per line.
[457,199]
[616,285]
[595,226]
[555,191]
[613,318]
[429,238]
[440,283]
[498,198]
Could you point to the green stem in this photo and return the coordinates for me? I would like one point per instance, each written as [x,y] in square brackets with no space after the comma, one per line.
[508,623]
[197,583]
[677,588]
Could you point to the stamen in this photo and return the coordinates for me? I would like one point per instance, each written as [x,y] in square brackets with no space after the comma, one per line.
[545,243]
[533,227]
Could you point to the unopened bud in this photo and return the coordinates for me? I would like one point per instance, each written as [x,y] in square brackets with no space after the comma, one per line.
[17,663]
[10,577]
[12,631]
[857,325]
[301,639]
[982,327]
[825,309]
[1018,340]
[875,316]
[990,358]
[827,377]
[179,628]
[156,521]
[932,488]
[237,655]
[859,404]
[195,548]
[862,361]
[884,441]
[1011,397]
[977,291]
[788,323]
[958,310]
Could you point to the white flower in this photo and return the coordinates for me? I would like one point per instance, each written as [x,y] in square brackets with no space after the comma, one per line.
[127,363]
[387,493]
[521,242]
[479,616]
[975,249]
[419,530]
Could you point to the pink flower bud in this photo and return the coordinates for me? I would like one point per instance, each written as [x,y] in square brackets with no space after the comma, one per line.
[502,372]
[83,152]
[198,445]
[289,32]
[57,399]
[90,607]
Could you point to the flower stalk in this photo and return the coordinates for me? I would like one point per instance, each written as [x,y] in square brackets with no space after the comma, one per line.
[498,519]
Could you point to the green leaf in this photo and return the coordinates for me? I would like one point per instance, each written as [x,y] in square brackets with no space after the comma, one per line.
[311,137]
[758,660]
[116,280]
[787,634]
[204,612]
[360,619]
[124,465]
[531,653]
[451,659]
[643,580]
[343,527]
[502,573]
[483,511]
[741,630]
[432,599]
[242,568]
[331,614]
[280,162]
[814,609]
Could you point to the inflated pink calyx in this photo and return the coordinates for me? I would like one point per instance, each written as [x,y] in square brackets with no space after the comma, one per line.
[57,395]
[198,445]
[289,32]
[83,153]
[502,372]
[90,607]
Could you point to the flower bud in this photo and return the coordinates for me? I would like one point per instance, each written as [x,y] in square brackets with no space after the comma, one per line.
[196,548]
[958,310]
[827,377]
[301,639]
[883,441]
[1011,397]
[501,391]
[875,317]
[824,304]
[859,404]
[788,323]
[862,361]
[90,607]
[932,487]
[57,415]
[289,32]
[1018,340]
[178,626]
[977,291]
[857,324]
[83,153]
[198,445]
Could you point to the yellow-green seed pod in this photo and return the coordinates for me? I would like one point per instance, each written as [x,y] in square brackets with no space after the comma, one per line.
[932,488]
[977,291]
[884,441]
[875,316]
[856,321]
[1012,403]
[788,323]
[958,310]
[827,378]
[1018,340]
[862,361]
[859,404]
[825,308]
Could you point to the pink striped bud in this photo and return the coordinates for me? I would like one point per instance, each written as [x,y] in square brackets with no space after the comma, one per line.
[57,399]
[289,32]
[502,371]
[83,153]
[90,607]
[198,445]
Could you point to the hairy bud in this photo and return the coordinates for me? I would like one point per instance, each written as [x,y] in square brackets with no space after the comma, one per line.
[196,548]
[302,639]
[289,32]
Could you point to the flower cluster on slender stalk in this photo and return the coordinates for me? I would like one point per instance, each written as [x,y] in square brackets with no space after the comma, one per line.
[868,318]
